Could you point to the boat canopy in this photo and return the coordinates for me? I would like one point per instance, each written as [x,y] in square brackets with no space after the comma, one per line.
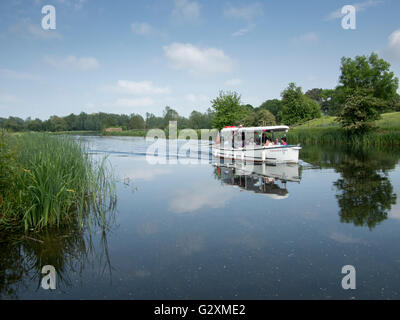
[255,129]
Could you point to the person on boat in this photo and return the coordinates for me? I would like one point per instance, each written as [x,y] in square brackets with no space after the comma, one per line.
[218,141]
[263,137]
[277,143]
[283,141]
[268,143]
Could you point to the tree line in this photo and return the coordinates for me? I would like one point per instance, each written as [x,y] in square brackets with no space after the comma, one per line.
[100,121]
[366,89]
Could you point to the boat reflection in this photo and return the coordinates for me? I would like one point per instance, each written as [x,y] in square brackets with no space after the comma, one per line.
[264,178]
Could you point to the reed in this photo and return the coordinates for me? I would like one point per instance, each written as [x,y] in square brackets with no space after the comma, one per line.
[339,136]
[58,184]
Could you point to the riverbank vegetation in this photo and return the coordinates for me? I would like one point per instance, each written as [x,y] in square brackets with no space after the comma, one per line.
[51,181]
[328,130]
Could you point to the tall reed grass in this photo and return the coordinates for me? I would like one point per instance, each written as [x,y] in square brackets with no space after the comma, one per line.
[58,184]
[339,136]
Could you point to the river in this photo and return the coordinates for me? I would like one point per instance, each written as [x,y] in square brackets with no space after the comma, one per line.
[212,230]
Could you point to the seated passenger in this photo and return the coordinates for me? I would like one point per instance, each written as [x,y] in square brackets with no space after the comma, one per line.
[268,143]
[277,142]
[283,141]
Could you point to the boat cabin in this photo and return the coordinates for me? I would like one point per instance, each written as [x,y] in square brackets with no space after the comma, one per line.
[240,137]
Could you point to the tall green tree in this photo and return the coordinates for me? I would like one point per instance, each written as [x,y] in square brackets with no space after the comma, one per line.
[297,107]
[227,108]
[369,87]
[369,73]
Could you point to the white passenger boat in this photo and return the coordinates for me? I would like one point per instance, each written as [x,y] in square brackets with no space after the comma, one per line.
[248,143]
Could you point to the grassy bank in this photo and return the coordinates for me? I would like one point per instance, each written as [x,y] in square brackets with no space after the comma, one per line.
[51,181]
[127,133]
[78,132]
[143,133]
[327,131]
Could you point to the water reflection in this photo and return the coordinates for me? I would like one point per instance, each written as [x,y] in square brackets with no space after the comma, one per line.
[364,191]
[267,179]
[70,250]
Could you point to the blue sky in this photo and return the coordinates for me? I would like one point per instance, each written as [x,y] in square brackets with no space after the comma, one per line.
[130,56]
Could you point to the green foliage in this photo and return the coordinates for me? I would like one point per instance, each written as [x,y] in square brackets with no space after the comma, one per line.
[369,73]
[265,118]
[13,124]
[315,94]
[360,110]
[59,184]
[338,136]
[296,107]
[228,110]
[274,106]
[9,167]
[136,121]
[369,88]
[153,122]
[198,120]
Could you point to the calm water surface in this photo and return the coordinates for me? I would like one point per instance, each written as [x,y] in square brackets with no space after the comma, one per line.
[226,231]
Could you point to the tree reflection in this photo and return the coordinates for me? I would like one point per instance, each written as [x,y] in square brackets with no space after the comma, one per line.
[364,191]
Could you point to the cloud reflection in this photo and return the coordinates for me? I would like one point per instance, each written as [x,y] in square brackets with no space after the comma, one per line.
[200,196]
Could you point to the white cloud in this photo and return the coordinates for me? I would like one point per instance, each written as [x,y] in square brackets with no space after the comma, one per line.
[29,30]
[309,37]
[84,63]
[243,31]
[185,56]
[392,50]
[142,28]
[194,98]
[132,103]
[139,88]
[233,82]
[12,74]
[248,12]
[186,10]
[360,6]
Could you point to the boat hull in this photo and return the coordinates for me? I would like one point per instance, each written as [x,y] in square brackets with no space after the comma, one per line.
[276,154]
